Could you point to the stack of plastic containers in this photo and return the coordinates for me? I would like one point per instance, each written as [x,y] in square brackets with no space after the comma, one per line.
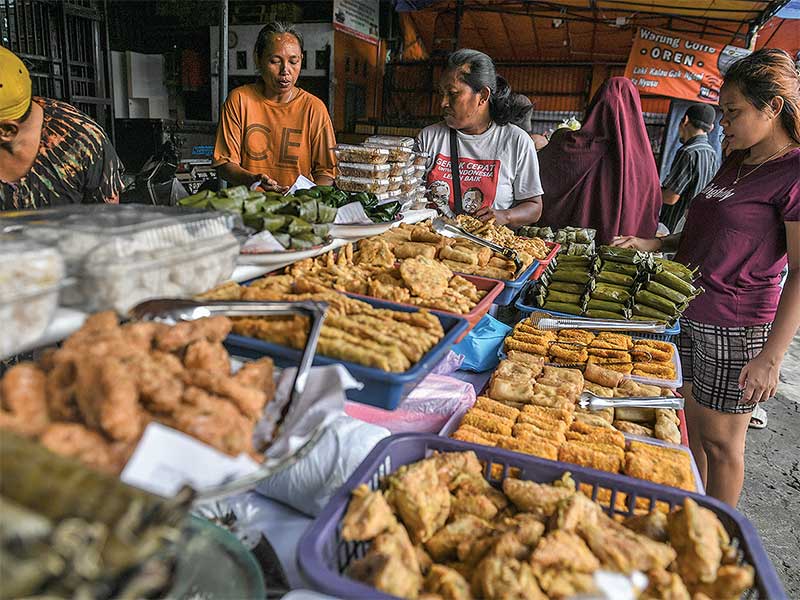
[386,166]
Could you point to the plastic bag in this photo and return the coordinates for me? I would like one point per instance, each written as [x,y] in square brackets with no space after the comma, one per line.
[308,484]
[481,345]
[424,410]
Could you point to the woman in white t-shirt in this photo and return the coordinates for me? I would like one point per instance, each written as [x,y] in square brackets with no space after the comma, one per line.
[497,165]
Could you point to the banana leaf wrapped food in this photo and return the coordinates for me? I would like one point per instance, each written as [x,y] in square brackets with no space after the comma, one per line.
[580,249]
[611,293]
[545,233]
[674,282]
[562,307]
[685,273]
[626,255]
[615,307]
[657,302]
[570,288]
[646,313]
[667,292]
[620,279]
[565,297]
[604,314]
[588,263]
[571,275]
[617,267]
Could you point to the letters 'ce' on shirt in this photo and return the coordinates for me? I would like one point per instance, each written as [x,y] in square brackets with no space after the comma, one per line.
[497,168]
[75,163]
[695,164]
[736,235]
[282,140]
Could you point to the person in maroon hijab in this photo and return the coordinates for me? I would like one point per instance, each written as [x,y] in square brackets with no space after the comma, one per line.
[604,175]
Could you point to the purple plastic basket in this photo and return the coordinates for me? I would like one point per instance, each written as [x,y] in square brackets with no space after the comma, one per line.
[323,556]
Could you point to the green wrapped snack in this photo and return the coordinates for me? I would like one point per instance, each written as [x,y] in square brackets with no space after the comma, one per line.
[307,210]
[616,267]
[272,206]
[562,307]
[198,200]
[575,261]
[309,193]
[677,269]
[572,276]
[326,213]
[564,286]
[626,255]
[321,229]
[298,226]
[284,239]
[674,282]
[644,311]
[604,314]
[614,307]
[324,189]
[658,302]
[555,296]
[614,278]
[611,293]
[220,203]
[666,292]
[240,193]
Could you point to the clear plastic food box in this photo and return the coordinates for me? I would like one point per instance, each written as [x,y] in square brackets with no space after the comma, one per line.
[31,276]
[121,255]
[395,183]
[349,153]
[421,158]
[364,170]
[396,169]
[362,184]
[396,154]
[394,141]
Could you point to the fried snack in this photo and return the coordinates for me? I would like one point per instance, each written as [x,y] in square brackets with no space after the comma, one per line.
[230,290]
[258,374]
[576,335]
[526,327]
[665,429]
[414,250]
[212,329]
[559,583]
[488,421]
[496,408]
[459,254]
[614,340]
[420,498]
[566,375]
[530,432]
[610,355]
[598,390]
[508,369]
[652,525]
[602,376]
[624,368]
[654,370]
[442,546]
[425,277]
[598,435]
[535,447]
[374,251]
[590,455]
[368,515]
[208,356]
[564,550]
[693,532]
[563,414]
[249,401]
[666,347]
[501,579]
[23,394]
[473,435]
[479,505]
[447,584]
[592,420]
[731,582]
[574,512]
[623,550]
[537,498]
[663,584]
[505,390]
[541,421]
[77,441]
[421,233]
[568,353]
[482,271]
[513,345]
[660,465]
[634,428]
[385,573]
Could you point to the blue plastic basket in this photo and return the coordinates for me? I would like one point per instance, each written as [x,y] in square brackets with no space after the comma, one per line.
[514,287]
[323,556]
[381,388]
[669,334]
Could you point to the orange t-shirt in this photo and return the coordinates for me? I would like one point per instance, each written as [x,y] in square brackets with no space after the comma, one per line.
[281,140]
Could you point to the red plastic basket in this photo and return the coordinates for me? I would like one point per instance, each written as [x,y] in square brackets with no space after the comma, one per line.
[544,263]
[323,556]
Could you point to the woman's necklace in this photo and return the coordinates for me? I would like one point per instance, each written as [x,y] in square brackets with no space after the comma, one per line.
[739,175]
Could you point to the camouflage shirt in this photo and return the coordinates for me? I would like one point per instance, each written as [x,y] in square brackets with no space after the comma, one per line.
[76,163]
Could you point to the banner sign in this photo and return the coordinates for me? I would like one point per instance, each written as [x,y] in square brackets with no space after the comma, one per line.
[358,18]
[664,63]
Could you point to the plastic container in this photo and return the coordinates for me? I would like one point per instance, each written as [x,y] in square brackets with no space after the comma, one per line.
[669,334]
[381,388]
[348,153]
[545,263]
[666,383]
[421,158]
[408,185]
[362,184]
[364,170]
[395,183]
[513,287]
[323,556]
[31,276]
[396,169]
[397,154]
[493,287]
[119,255]
[392,141]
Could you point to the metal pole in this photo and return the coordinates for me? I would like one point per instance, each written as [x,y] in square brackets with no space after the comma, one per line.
[223,63]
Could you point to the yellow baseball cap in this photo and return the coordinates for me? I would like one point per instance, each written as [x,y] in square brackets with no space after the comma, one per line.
[15,86]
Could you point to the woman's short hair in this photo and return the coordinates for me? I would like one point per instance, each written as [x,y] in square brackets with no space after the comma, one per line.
[477,70]
[765,74]
[272,29]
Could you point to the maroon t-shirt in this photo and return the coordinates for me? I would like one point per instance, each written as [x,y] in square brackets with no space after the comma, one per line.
[736,235]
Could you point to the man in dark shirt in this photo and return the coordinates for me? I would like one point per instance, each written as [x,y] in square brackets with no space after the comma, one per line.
[695,164]
[50,153]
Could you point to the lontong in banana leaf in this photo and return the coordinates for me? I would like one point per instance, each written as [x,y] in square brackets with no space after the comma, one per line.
[657,302]
[611,293]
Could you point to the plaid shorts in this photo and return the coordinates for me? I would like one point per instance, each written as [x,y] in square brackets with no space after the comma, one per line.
[712,359]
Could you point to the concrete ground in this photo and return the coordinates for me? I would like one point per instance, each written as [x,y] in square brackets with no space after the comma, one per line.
[771,496]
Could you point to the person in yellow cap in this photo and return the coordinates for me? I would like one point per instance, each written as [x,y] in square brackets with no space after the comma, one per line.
[50,153]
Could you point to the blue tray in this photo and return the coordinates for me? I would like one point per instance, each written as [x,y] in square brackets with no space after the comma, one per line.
[381,388]
[512,288]
[323,556]
[669,335]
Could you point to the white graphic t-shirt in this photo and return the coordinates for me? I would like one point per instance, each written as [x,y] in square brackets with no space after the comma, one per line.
[497,168]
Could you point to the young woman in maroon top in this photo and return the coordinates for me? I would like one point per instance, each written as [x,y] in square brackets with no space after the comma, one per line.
[740,231]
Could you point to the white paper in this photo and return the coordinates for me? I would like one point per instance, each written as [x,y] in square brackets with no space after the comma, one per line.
[262,242]
[352,214]
[301,183]
[166,459]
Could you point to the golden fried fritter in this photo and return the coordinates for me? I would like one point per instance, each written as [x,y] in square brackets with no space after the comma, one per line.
[77,441]
[448,583]
[652,525]
[368,515]
[249,401]
[693,532]
[538,498]
[258,374]
[420,498]
[207,356]
[212,329]
[443,544]
[505,579]
[590,455]
[487,421]
[23,395]
[731,582]
[496,408]
[564,550]
[623,550]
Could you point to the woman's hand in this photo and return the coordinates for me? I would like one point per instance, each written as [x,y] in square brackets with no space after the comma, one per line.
[267,184]
[759,378]
[629,241]
[486,213]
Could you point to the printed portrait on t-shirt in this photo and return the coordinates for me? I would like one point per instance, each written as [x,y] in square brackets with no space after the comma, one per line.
[478,178]
[440,193]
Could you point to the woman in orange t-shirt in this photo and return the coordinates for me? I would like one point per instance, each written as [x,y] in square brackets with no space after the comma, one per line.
[272,131]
